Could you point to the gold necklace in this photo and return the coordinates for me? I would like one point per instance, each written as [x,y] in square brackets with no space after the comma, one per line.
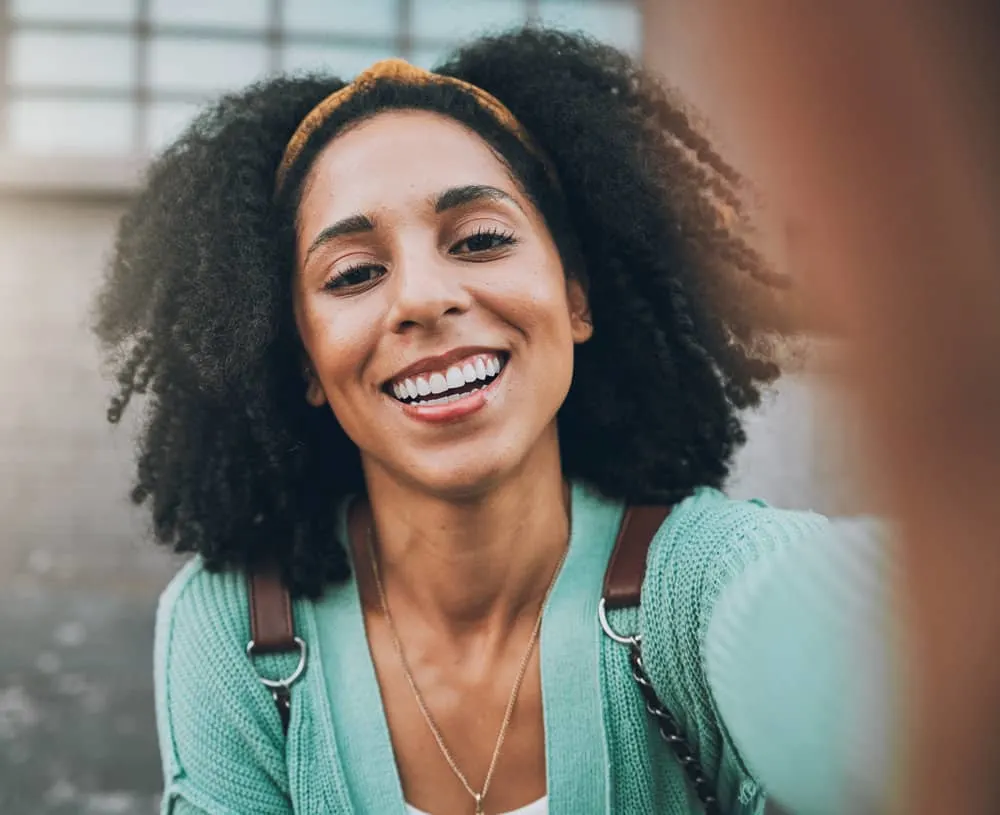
[478,797]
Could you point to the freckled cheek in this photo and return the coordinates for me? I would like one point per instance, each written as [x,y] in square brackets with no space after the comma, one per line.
[529,296]
[541,313]
[338,344]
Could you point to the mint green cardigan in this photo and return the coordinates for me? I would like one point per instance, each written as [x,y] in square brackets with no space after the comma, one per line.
[752,619]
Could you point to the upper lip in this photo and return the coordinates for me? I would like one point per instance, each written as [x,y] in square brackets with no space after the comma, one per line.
[439,363]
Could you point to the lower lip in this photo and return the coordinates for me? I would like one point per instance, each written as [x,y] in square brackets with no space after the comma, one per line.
[452,411]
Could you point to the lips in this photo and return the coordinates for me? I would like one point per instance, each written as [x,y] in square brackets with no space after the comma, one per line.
[438,383]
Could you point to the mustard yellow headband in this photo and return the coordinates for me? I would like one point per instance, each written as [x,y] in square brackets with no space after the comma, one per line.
[397,70]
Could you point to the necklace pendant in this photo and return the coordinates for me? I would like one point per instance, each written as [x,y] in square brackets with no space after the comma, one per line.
[479,805]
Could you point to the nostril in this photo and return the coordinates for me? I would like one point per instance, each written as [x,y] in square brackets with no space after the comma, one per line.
[407,325]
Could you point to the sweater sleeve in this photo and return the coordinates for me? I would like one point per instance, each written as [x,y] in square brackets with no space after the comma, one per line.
[700,551]
[221,742]
[799,654]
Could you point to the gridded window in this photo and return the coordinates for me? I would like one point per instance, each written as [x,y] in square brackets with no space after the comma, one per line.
[462,20]
[123,77]
[114,11]
[250,15]
[347,18]
[40,59]
[619,24]
[184,66]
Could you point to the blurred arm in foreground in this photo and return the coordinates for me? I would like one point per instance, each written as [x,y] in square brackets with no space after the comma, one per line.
[877,125]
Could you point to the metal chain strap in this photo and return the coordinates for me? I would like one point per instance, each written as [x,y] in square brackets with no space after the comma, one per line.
[671,733]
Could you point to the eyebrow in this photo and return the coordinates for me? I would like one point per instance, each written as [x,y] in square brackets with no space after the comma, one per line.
[470,194]
[450,199]
[352,225]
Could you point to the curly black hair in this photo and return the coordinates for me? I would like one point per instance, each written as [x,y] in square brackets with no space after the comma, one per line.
[195,311]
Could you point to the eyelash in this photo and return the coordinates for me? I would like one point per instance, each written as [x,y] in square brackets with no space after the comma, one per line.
[502,238]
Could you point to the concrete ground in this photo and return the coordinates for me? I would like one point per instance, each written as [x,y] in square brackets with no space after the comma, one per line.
[76,723]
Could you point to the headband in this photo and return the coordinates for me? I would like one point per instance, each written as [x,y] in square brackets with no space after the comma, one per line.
[398,70]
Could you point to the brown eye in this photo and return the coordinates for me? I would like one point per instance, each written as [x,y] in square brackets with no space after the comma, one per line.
[484,240]
[355,276]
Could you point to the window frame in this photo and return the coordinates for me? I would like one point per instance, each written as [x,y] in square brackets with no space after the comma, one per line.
[116,173]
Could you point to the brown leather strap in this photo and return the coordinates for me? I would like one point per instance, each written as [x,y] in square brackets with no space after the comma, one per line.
[272,629]
[627,567]
[271,626]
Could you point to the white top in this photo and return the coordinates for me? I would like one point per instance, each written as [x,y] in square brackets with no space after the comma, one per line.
[540,807]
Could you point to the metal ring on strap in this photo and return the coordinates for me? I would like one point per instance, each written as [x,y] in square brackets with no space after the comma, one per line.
[289,680]
[602,615]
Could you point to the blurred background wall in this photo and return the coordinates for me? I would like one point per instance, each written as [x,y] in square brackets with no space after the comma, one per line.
[88,91]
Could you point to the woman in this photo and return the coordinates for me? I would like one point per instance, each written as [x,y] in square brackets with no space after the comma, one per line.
[417,340]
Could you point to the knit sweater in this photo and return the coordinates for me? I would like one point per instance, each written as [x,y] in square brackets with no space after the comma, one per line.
[752,619]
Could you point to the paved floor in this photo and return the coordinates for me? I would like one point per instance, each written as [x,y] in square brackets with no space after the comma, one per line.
[76,722]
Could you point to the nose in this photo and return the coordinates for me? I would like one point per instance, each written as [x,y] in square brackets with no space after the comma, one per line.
[427,291]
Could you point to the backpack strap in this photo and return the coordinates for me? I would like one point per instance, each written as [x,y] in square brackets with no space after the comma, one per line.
[627,566]
[622,589]
[272,631]
[271,627]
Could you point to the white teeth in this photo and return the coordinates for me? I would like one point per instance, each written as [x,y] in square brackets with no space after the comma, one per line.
[438,383]
[477,369]
[442,400]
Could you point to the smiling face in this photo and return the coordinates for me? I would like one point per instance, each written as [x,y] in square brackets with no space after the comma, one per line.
[433,305]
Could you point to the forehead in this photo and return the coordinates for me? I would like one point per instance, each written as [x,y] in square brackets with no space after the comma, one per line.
[398,155]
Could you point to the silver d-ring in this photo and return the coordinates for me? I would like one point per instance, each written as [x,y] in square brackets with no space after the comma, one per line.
[632,639]
[289,680]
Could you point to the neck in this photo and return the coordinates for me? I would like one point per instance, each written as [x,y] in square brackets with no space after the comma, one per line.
[472,565]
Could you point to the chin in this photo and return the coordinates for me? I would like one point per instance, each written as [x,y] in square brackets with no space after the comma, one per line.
[462,471]
[464,481]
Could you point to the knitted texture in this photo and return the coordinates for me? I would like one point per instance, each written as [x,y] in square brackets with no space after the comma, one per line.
[820,613]
[697,557]
[224,753]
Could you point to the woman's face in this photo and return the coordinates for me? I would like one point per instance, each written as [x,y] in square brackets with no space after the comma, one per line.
[432,304]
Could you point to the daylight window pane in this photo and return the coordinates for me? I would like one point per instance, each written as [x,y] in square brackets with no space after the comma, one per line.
[165,121]
[71,60]
[462,19]
[378,18]
[615,22]
[430,56]
[100,10]
[244,14]
[70,126]
[344,62]
[179,64]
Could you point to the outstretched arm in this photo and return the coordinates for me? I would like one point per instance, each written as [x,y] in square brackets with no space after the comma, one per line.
[799,657]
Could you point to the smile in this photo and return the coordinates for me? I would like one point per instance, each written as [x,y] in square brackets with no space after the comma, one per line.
[457,381]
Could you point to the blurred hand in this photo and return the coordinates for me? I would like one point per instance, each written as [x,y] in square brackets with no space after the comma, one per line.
[874,126]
